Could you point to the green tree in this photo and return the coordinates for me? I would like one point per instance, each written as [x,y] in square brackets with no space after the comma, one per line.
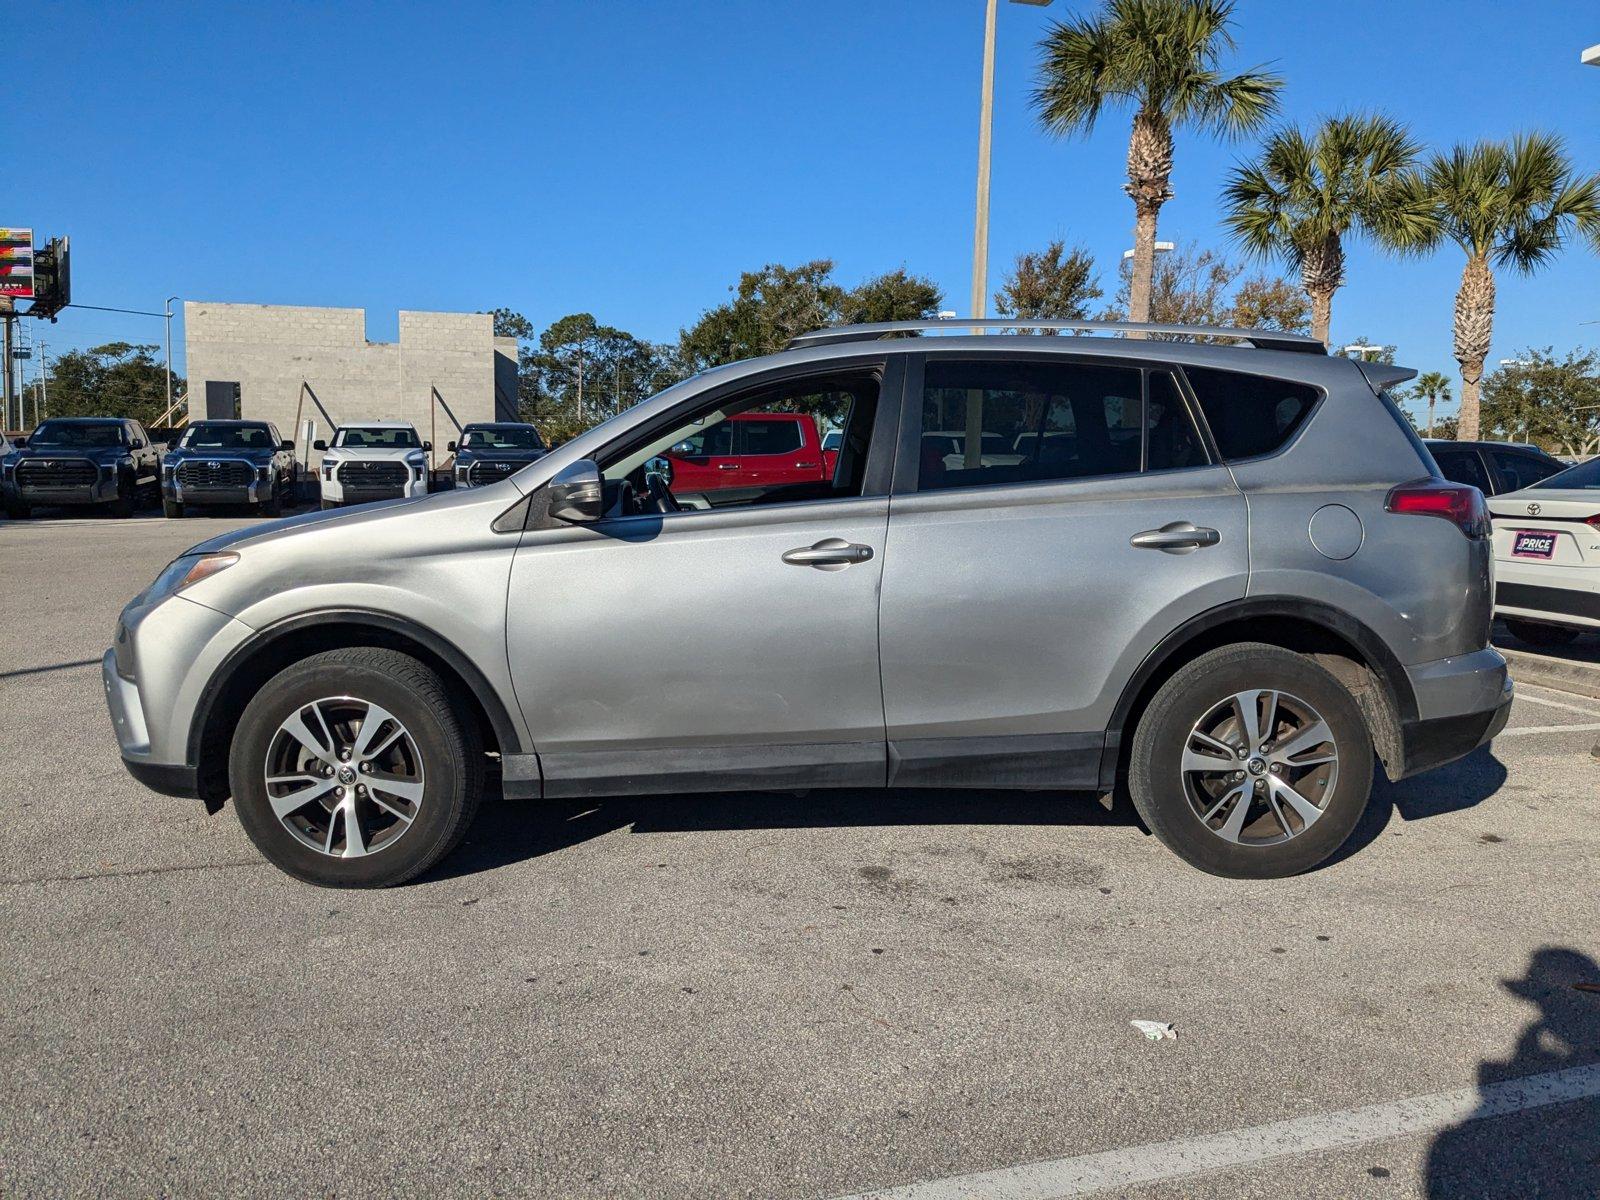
[509,323]
[1201,287]
[769,307]
[1160,58]
[1306,193]
[1505,205]
[583,372]
[893,296]
[1430,388]
[118,379]
[1553,402]
[1051,284]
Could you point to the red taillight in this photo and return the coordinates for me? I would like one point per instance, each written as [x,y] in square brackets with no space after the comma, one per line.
[1594,521]
[1453,501]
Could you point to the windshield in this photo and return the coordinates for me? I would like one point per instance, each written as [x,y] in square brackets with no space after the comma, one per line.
[227,437]
[1583,477]
[88,433]
[518,437]
[378,439]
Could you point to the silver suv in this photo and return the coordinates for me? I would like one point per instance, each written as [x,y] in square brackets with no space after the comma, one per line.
[1224,577]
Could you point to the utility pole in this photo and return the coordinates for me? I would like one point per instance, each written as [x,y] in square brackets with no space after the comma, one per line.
[580,383]
[8,313]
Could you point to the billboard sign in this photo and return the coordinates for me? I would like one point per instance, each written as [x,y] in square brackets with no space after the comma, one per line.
[16,263]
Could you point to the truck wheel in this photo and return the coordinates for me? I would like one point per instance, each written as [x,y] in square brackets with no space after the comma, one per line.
[353,768]
[18,511]
[272,506]
[327,504]
[127,500]
[1251,762]
[1536,634]
[171,509]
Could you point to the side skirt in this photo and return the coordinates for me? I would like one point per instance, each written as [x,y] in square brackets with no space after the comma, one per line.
[1064,761]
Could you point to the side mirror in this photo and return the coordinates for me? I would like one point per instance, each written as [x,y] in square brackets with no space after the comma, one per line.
[20,443]
[319,444]
[428,446]
[136,444]
[576,493]
[172,443]
[288,447]
[450,446]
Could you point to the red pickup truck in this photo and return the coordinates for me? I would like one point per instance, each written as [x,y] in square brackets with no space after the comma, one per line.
[752,450]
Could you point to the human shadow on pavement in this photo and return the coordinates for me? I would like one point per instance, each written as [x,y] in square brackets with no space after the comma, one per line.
[1550,1151]
[1460,785]
[508,831]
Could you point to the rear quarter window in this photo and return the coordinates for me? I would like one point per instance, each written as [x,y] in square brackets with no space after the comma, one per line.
[1250,415]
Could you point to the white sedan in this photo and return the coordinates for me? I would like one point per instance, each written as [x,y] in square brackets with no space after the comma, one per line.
[1547,556]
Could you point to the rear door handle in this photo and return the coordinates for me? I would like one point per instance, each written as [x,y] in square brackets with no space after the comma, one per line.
[834,553]
[727,466]
[1178,537]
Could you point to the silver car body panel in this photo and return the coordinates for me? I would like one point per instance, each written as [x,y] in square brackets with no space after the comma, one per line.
[995,635]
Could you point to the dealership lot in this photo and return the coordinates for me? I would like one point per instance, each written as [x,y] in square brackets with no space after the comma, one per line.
[763,995]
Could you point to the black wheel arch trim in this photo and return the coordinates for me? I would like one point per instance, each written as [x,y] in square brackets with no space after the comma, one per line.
[505,728]
[1336,620]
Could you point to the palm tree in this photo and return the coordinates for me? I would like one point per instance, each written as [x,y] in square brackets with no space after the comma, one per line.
[1432,386]
[1160,58]
[1506,205]
[1307,192]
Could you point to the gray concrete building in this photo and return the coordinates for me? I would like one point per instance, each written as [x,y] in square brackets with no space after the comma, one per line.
[272,362]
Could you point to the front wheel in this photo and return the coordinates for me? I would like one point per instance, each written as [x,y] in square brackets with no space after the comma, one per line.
[127,500]
[1251,762]
[1536,634]
[327,504]
[272,506]
[353,768]
[171,509]
[18,511]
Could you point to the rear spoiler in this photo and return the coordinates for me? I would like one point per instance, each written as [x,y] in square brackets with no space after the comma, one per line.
[1382,375]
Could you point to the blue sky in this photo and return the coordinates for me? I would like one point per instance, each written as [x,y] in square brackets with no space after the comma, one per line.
[631,157]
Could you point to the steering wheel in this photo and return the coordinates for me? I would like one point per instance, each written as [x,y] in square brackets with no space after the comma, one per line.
[660,494]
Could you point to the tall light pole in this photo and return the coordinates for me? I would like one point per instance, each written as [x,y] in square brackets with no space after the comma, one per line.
[980,231]
[167,312]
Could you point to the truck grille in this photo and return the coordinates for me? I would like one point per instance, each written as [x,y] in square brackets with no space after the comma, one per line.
[201,473]
[374,480]
[56,473]
[491,472]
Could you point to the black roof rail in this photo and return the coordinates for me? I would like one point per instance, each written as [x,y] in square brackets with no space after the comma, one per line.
[1261,339]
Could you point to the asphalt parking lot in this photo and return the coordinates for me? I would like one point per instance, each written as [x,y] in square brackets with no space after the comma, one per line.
[776,996]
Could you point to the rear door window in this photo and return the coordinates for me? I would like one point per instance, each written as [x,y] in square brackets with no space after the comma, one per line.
[1464,466]
[768,435]
[1250,415]
[1518,470]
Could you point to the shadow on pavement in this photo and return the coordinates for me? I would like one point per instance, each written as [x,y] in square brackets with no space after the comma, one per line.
[1460,785]
[509,831]
[1548,1152]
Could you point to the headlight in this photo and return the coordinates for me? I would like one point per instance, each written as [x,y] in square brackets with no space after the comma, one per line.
[328,465]
[186,572]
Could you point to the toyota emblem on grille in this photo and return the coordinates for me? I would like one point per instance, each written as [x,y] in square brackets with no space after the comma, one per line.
[1533,510]
[213,465]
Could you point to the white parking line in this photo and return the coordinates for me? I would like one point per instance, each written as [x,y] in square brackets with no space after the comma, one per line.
[1522,694]
[1091,1173]
[1547,729]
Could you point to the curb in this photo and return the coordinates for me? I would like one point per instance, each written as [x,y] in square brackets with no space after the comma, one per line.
[1561,674]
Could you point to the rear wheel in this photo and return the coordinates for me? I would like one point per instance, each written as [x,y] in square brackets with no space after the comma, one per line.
[1251,762]
[1537,634]
[353,768]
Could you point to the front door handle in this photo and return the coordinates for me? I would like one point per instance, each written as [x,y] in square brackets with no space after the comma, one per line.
[727,466]
[1178,537]
[828,554]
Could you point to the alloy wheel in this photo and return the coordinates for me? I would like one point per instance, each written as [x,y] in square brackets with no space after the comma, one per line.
[344,777]
[1260,767]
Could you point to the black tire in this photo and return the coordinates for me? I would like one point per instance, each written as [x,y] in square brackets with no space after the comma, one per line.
[1538,634]
[127,500]
[446,740]
[272,506]
[327,504]
[18,512]
[1158,789]
[171,509]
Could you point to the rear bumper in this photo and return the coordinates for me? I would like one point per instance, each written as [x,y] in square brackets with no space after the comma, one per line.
[1434,743]
[1573,601]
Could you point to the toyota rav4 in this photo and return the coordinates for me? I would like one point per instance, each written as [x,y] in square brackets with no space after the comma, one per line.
[1222,578]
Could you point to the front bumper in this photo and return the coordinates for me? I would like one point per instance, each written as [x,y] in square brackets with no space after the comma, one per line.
[102,491]
[340,493]
[172,490]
